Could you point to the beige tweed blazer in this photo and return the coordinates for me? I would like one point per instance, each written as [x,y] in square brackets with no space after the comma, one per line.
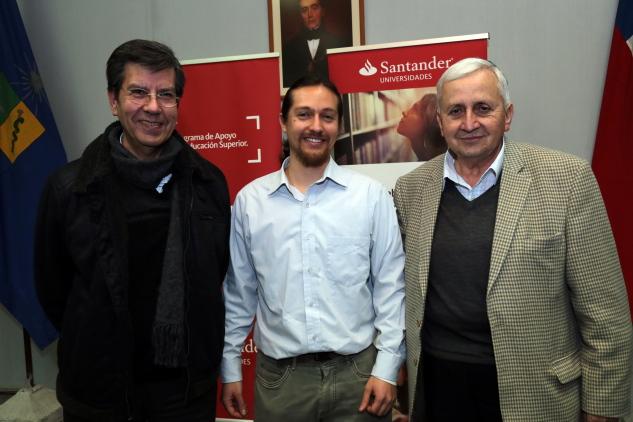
[556,300]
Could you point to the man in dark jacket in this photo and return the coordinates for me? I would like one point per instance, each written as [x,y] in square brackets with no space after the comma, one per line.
[131,251]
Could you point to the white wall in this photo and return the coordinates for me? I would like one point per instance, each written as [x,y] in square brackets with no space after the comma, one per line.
[554,53]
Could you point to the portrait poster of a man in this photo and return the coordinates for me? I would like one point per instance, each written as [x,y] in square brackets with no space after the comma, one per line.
[308,29]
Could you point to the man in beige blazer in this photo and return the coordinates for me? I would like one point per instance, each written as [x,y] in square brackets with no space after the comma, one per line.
[516,306]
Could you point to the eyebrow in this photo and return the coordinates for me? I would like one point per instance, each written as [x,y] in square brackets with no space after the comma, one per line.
[136,85]
[302,108]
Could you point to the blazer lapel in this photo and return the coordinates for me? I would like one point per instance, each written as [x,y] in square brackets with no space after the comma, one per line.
[515,185]
[427,204]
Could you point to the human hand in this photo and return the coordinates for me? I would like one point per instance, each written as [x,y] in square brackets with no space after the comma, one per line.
[378,397]
[233,400]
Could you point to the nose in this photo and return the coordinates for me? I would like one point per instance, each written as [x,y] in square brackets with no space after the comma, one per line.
[470,121]
[151,104]
[316,123]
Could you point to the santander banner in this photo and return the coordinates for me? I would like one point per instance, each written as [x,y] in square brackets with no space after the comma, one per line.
[400,65]
[390,125]
[230,115]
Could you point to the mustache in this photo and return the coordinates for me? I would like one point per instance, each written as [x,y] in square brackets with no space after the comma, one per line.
[472,134]
[315,133]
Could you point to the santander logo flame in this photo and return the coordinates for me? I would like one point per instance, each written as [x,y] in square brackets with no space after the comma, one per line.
[368,69]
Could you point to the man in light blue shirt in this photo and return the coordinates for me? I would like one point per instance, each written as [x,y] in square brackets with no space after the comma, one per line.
[316,256]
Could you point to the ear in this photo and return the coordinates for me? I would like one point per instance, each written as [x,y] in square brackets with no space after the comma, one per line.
[439,122]
[508,118]
[113,103]
[282,123]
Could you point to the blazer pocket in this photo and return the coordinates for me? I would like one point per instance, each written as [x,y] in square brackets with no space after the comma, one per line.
[545,244]
[567,368]
[543,257]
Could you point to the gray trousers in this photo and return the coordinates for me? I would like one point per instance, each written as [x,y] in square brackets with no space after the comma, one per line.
[306,389]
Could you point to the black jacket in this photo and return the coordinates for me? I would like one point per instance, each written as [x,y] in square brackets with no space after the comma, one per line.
[81,275]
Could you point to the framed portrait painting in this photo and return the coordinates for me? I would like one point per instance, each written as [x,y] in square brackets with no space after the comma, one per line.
[303,30]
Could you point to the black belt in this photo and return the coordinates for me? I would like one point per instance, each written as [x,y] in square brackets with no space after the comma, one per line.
[314,357]
[317,357]
[308,358]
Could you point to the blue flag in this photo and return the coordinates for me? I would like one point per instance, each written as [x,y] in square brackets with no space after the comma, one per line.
[30,149]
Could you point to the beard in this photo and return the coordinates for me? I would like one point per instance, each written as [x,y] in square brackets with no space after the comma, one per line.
[310,158]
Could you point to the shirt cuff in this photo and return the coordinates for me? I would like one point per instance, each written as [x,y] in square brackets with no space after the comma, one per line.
[387,366]
[231,370]
[387,381]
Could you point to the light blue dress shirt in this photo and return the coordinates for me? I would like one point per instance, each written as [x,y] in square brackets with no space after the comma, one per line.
[323,272]
[486,181]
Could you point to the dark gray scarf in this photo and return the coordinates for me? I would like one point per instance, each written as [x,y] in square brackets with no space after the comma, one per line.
[168,331]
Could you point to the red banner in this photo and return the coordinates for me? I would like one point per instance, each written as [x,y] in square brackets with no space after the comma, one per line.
[230,115]
[400,65]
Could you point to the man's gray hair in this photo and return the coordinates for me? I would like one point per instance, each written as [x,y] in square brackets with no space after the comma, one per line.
[469,65]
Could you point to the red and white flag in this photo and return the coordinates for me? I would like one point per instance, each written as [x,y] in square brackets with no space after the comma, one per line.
[614,140]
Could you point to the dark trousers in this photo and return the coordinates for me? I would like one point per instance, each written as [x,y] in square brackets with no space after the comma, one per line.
[457,391]
[167,401]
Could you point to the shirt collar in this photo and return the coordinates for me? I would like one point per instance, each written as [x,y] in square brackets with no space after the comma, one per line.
[495,167]
[332,172]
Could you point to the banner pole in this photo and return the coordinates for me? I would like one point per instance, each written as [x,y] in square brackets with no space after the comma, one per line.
[28,358]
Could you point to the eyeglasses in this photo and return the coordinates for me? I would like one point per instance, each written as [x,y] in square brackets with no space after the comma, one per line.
[141,97]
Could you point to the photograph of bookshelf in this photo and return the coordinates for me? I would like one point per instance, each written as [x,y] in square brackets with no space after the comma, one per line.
[370,135]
